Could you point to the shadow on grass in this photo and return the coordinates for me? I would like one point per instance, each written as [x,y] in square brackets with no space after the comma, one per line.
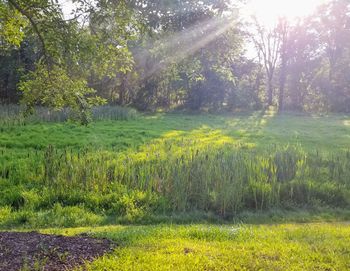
[200,228]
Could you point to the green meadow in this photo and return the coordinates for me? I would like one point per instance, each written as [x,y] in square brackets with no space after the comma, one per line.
[258,129]
[174,135]
[172,167]
[175,191]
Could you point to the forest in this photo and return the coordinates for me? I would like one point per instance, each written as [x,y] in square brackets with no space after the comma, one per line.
[170,55]
[174,135]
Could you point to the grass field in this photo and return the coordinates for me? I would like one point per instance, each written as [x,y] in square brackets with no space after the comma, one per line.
[231,247]
[150,167]
[241,175]
[257,128]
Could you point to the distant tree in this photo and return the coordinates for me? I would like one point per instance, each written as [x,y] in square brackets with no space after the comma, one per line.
[318,54]
[333,27]
[283,32]
[165,54]
[267,43]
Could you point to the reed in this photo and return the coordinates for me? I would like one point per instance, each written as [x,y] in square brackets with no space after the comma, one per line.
[224,179]
[14,114]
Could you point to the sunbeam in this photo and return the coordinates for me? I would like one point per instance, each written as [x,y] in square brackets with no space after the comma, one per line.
[179,46]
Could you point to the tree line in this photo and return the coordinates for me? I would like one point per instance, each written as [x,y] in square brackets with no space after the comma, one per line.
[153,54]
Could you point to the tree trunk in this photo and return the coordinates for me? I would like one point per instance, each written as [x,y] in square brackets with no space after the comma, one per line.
[122,92]
[282,85]
[269,90]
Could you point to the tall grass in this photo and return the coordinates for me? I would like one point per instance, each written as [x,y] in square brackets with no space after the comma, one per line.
[14,114]
[174,165]
[181,176]
[108,112]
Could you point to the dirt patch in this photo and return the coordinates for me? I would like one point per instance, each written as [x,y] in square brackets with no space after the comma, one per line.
[34,251]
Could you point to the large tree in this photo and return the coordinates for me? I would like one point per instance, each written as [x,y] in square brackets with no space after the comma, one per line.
[267,42]
[69,51]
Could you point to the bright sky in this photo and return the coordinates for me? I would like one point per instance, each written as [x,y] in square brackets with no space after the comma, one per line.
[268,11]
[67,7]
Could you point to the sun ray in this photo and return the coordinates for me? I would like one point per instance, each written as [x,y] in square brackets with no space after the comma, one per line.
[180,45]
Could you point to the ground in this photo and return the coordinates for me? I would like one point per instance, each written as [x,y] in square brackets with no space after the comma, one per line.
[320,246]
[34,251]
[236,244]
[256,128]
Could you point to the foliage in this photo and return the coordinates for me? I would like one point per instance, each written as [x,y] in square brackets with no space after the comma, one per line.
[46,88]
[224,181]
[164,55]
[11,25]
[316,50]
[69,55]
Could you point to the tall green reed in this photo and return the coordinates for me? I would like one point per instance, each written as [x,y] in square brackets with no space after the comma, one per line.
[224,179]
[14,114]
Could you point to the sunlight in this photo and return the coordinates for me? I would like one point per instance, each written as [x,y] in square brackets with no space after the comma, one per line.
[268,11]
[179,46]
[145,134]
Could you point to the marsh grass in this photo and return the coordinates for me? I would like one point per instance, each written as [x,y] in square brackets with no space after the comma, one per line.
[171,165]
[15,114]
[177,176]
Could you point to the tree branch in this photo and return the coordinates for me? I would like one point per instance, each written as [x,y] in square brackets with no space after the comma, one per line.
[34,25]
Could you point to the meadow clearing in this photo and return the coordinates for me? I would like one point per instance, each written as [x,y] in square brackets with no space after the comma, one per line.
[213,192]
[153,166]
[174,135]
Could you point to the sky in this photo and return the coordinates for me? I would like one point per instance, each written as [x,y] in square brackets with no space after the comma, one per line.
[67,7]
[268,11]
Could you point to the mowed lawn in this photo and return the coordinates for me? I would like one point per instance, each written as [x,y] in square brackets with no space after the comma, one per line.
[230,247]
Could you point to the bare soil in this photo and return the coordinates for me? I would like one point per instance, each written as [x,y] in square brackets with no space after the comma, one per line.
[35,251]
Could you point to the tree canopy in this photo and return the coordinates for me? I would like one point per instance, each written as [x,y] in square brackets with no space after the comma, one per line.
[154,54]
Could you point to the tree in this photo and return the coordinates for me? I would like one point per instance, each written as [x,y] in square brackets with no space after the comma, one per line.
[156,53]
[333,27]
[319,59]
[176,59]
[283,31]
[68,50]
[267,43]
